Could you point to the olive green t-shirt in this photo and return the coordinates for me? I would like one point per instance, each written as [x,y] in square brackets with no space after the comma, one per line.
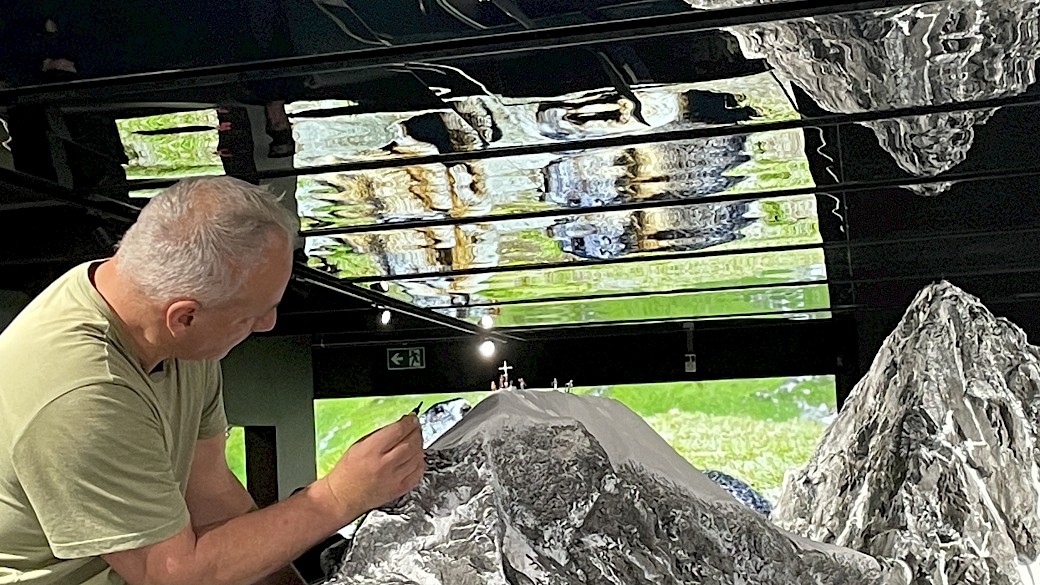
[94,451]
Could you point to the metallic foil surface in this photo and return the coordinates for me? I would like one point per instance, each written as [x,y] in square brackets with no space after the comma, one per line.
[933,461]
[549,488]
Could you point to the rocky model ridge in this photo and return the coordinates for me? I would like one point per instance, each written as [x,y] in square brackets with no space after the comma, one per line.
[933,461]
[550,488]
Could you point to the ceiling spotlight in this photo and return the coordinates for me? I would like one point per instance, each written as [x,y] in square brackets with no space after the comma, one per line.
[487,322]
[384,317]
[487,348]
[380,286]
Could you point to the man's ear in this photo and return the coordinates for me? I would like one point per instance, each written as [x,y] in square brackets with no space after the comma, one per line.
[180,316]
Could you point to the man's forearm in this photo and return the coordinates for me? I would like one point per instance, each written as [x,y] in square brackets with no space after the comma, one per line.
[245,504]
[265,542]
[232,502]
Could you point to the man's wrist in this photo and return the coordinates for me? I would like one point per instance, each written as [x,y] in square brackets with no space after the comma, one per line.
[341,511]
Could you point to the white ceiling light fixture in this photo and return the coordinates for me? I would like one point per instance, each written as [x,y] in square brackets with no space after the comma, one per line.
[384,317]
[487,322]
[487,348]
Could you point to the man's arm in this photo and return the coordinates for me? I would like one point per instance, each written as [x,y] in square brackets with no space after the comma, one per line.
[215,495]
[377,469]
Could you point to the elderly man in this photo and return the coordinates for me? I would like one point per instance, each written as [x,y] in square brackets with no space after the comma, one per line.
[112,421]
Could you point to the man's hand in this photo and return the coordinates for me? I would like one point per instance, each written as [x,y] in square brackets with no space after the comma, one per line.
[379,468]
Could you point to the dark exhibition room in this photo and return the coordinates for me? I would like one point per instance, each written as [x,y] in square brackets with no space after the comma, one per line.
[519,292]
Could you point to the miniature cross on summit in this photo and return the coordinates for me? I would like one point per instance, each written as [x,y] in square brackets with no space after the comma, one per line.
[505,372]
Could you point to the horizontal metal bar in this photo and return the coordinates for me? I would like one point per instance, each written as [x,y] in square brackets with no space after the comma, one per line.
[453,158]
[846,187]
[626,322]
[322,343]
[842,309]
[304,273]
[830,282]
[324,313]
[667,327]
[477,46]
[647,257]
[634,294]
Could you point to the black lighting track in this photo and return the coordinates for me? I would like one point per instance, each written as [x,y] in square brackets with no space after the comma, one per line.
[24,185]
[331,340]
[632,140]
[304,273]
[847,187]
[709,253]
[102,89]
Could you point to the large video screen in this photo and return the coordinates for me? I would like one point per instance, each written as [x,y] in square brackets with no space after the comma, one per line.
[752,429]
[235,452]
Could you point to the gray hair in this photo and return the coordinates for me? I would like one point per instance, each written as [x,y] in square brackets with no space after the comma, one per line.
[199,238]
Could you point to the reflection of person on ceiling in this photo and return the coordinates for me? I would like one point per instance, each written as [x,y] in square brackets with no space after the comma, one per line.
[38,45]
[270,39]
[54,42]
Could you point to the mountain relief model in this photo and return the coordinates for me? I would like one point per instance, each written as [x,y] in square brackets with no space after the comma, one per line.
[550,488]
[937,53]
[933,462]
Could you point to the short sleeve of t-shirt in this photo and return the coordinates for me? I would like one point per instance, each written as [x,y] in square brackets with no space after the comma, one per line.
[95,467]
[214,418]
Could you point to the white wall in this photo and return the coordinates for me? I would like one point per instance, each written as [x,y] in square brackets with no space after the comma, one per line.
[268,381]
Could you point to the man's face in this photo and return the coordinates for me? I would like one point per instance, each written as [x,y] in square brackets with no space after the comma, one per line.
[215,331]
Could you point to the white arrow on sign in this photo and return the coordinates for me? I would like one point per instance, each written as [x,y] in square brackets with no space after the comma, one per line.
[405,358]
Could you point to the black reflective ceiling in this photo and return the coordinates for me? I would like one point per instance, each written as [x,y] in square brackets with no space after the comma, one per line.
[552,164]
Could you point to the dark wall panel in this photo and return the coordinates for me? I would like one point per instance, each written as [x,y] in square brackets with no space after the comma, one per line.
[261,458]
[764,348]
